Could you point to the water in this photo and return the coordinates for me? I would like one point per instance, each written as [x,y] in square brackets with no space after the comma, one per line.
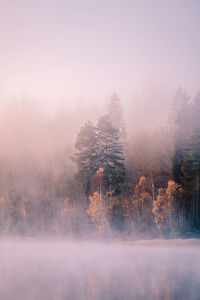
[63,270]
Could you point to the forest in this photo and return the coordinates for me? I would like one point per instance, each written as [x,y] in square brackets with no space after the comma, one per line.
[100,181]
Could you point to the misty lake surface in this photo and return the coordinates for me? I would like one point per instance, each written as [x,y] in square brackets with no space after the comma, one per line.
[59,270]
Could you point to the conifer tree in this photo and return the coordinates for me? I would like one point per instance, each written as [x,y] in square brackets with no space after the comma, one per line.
[179,121]
[190,179]
[86,155]
[115,112]
[110,154]
[195,112]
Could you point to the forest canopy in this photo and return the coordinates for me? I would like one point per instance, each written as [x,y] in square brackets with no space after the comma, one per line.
[99,180]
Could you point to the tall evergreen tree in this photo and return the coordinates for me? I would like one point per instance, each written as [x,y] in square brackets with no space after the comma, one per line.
[190,179]
[100,147]
[86,155]
[110,154]
[195,112]
[179,121]
[115,112]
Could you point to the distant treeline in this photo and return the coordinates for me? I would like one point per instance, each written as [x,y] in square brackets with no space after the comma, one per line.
[144,186]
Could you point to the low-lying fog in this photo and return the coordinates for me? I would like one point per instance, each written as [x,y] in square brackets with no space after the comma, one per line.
[56,270]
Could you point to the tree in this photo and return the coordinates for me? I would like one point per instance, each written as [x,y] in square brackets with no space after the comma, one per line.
[99,148]
[189,167]
[110,154]
[190,178]
[174,195]
[69,216]
[99,204]
[139,208]
[86,155]
[166,207]
[179,117]
[180,128]
[17,212]
[115,112]
[195,112]
[98,210]
[150,155]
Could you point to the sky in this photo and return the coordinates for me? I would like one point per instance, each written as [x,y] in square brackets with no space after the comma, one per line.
[81,51]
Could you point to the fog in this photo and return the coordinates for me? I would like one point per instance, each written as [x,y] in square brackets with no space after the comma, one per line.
[58,270]
[99,149]
[82,53]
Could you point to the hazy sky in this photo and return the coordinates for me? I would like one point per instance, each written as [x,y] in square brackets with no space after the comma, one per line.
[85,49]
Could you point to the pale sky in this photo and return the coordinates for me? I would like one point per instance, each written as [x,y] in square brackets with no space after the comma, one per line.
[83,50]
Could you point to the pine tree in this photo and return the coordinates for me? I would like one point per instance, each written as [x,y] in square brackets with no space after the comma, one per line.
[195,112]
[190,168]
[110,154]
[179,123]
[115,112]
[86,155]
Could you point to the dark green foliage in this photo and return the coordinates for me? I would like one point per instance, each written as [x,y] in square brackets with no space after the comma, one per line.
[99,147]
[110,154]
[86,156]
[176,164]
[190,178]
[186,160]
[179,121]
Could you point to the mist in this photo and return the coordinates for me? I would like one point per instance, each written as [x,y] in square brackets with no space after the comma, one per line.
[73,270]
[99,149]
